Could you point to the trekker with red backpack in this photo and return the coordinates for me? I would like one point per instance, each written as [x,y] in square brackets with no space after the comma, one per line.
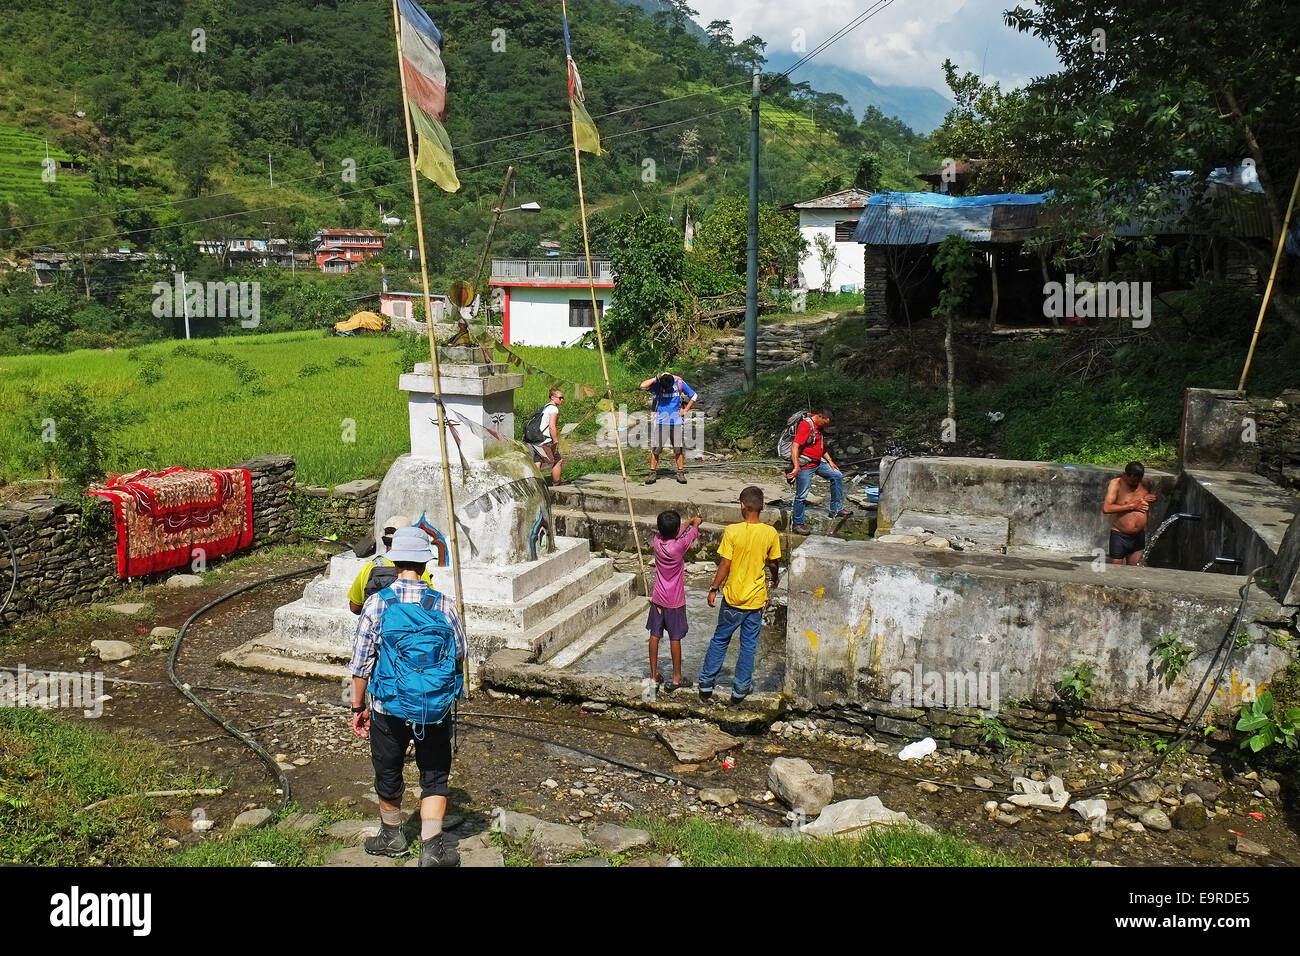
[409,651]
[802,446]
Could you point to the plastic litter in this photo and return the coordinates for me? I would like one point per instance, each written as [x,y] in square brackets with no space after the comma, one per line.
[915,751]
[1093,812]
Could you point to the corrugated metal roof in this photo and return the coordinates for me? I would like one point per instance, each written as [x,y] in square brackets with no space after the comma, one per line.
[906,219]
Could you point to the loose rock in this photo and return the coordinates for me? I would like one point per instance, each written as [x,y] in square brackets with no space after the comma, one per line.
[798,786]
[1154,819]
[249,819]
[695,743]
[720,796]
[615,839]
[111,651]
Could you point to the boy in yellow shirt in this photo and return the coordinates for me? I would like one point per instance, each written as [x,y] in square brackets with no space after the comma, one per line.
[747,550]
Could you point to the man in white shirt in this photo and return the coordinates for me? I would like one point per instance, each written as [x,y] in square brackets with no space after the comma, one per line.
[547,451]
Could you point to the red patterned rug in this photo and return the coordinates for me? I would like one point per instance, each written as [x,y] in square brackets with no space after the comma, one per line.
[164,518]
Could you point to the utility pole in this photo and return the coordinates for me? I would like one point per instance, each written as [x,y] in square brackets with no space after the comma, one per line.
[269,172]
[185,306]
[751,268]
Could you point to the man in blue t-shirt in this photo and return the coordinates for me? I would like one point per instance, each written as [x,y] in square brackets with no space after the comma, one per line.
[667,392]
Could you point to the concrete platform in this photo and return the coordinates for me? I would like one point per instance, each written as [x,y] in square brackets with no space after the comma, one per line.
[625,651]
[972,532]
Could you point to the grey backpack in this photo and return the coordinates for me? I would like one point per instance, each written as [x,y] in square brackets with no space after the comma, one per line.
[786,438]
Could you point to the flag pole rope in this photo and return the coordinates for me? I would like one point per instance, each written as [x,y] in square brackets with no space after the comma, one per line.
[600,337]
[433,348]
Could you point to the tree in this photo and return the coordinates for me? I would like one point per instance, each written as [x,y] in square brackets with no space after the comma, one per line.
[868,173]
[1144,89]
[750,52]
[723,238]
[647,255]
[954,261]
[826,256]
[198,154]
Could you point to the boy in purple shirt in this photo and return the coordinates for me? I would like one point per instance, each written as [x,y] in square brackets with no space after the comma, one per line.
[668,601]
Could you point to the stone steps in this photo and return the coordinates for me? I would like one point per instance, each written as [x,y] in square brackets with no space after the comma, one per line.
[566,624]
[645,504]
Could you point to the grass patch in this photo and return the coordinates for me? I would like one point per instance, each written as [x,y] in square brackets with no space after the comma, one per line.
[707,843]
[251,846]
[209,403]
[51,768]
[73,620]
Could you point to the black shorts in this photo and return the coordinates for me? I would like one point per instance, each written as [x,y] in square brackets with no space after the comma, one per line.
[389,737]
[670,619]
[670,436]
[1122,545]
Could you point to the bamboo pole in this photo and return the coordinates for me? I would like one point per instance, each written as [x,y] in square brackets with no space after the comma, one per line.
[433,347]
[1272,276]
[600,338]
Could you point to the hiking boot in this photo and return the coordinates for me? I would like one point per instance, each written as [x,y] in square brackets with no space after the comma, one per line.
[681,477]
[842,514]
[706,694]
[800,529]
[391,841]
[438,852]
[735,701]
[654,476]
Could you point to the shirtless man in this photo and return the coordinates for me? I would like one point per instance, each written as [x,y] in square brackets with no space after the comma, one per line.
[1129,498]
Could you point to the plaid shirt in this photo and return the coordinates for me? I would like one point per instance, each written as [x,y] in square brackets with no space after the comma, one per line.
[365,652]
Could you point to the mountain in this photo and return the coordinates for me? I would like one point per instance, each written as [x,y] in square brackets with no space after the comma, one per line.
[919,107]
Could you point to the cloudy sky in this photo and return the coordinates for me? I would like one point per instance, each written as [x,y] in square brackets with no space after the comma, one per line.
[904,44]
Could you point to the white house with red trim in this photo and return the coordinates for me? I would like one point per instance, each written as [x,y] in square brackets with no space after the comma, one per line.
[834,216]
[548,301]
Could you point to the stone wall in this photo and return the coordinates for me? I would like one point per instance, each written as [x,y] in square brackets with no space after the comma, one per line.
[875,285]
[1224,430]
[779,344]
[68,557]
[869,623]
[347,510]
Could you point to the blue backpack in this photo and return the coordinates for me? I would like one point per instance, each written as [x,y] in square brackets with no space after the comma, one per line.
[416,678]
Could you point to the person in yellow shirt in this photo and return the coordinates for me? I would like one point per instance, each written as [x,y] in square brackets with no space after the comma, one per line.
[362,585]
[748,549]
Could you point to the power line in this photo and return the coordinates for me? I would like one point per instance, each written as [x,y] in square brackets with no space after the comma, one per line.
[390,162]
[838,35]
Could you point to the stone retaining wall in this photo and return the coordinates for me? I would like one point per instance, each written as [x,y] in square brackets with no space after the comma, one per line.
[67,556]
[778,344]
[347,510]
[1224,430]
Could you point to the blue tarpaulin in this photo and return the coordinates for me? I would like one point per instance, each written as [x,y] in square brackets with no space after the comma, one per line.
[906,219]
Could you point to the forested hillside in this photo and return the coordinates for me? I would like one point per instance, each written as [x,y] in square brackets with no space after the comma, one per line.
[179,115]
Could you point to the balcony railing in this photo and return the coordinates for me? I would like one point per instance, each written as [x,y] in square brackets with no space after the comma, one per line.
[559,271]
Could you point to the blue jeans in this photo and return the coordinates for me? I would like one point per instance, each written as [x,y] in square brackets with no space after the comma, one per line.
[730,618]
[803,481]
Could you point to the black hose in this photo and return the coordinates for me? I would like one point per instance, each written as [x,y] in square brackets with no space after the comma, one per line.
[595,755]
[229,728]
[1226,646]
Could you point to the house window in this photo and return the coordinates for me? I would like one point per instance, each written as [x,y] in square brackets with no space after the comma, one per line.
[844,230]
[399,310]
[580,314]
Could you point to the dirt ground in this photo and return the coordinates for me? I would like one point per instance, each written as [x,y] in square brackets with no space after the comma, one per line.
[516,753]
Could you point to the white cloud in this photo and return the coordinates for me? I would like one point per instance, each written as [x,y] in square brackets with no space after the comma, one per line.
[904,44]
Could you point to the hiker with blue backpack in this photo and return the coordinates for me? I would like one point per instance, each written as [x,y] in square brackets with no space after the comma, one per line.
[408,656]
[668,392]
